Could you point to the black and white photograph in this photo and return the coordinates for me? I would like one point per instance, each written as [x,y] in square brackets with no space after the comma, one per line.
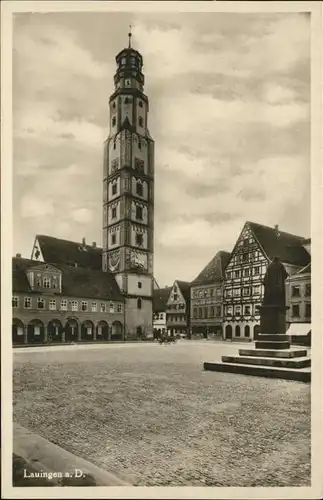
[161,206]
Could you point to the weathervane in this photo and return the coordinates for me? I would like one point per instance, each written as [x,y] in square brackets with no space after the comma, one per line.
[129,35]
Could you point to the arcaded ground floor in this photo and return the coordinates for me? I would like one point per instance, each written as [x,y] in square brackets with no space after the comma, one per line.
[74,329]
[151,411]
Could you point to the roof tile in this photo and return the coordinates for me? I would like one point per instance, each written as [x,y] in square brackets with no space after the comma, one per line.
[76,281]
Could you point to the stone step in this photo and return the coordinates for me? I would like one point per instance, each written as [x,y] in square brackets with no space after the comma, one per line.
[272,345]
[273,337]
[301,375]
[267,353]
[285,363]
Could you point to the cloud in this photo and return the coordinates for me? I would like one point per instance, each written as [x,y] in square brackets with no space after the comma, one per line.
[82,215]
[36,207]
[229,112]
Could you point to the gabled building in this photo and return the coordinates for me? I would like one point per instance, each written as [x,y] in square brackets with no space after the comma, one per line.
[74,254]
[61,303]
[298,295]
[207,297]
[178,309]
[70,253]
[160,298]
[256,246]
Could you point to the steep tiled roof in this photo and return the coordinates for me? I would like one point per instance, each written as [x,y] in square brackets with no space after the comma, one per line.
[276,243]
[58,251]
[214,270]
[160,297]
[305,270]
[76,281]
[184,287]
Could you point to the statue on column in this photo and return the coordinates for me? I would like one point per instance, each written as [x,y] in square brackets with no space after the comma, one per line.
[274,284]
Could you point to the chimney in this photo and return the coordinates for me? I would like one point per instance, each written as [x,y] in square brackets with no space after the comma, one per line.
[94,244]
[277,230]
[83,242]
[18,255]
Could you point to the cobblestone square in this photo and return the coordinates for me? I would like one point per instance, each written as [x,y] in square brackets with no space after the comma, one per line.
[150,411]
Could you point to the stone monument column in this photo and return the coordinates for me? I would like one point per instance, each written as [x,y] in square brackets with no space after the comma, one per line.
[273,309]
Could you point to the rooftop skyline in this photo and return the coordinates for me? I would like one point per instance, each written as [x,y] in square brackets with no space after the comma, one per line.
[229,114]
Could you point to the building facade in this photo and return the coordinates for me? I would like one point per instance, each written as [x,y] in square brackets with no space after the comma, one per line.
[178,309]
[160,299]
[299,314]
[256,246]
[128,194]
[207,298]
[60,303]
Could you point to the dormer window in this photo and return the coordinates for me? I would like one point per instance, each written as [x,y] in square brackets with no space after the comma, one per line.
[141,121]
[114,121]
[140,104]
[126,101]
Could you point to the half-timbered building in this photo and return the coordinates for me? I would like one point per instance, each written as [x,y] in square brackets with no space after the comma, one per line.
[256,246]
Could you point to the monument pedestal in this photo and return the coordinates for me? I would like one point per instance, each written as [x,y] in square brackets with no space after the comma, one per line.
[272,356]
[273,319]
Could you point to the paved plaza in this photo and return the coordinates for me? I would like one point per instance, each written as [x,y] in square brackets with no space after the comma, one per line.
[150,411]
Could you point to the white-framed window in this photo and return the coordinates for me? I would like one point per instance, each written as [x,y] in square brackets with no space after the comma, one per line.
[99,332]
[119,308]
[237,310]
[229,292]
[15,301]
[229,310]
[94,306]
[256,290]
[46,282]
[63,305]
[52,304]
[27,302]
[84,306]
[111,307]
[247,310]
[236,292]
[257,309]
[246,291]
[102,307]
[296,291]
[40,303]
[75,305]
[246,272]
[89,330]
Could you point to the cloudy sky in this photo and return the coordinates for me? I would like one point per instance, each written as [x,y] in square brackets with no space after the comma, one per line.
[229,112]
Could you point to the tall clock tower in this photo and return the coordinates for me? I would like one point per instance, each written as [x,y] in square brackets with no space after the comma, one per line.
[128,193]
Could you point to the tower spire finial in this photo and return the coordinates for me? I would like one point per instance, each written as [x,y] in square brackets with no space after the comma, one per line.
[130,35]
